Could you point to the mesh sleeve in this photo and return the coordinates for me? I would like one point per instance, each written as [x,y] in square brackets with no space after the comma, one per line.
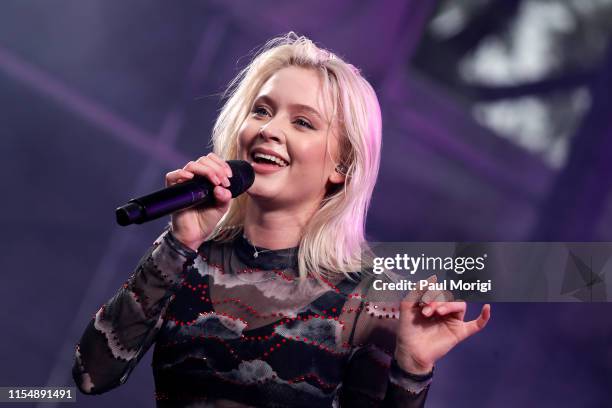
[125,327]
[372,377]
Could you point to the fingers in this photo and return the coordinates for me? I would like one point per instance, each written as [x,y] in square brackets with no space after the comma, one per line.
[436,295]
[222,195]
[474,326]
[414,296]
[432,299]
[212,167]
[210,170]
[218,160]
[178,176]
[446,308]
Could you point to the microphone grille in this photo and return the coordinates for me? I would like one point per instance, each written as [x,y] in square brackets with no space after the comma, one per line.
[243,176]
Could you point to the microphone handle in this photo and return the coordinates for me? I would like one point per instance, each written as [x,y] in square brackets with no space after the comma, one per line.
[165,201]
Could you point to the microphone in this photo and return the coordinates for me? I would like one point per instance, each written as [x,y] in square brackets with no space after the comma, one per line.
[197,191]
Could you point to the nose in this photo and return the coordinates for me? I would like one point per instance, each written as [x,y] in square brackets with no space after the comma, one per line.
[270,131]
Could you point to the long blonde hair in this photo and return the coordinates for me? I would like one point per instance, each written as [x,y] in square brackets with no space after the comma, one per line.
[334,238]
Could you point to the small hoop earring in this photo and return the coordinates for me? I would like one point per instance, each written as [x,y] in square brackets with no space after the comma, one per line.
[342,169]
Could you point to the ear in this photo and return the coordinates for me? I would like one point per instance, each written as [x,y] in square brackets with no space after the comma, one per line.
[337,176]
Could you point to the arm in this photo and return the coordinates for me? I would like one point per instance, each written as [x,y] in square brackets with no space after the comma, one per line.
[124,328]
[373,377]
[429,324]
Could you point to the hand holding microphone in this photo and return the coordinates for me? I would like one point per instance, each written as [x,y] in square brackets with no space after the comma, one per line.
[197,196]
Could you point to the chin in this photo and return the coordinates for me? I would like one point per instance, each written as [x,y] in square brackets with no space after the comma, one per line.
[266,193]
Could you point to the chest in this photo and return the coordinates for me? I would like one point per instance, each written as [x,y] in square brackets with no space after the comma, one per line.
[261,338]
[233,320]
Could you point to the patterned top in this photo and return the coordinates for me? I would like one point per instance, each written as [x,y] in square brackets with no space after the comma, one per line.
[233,327]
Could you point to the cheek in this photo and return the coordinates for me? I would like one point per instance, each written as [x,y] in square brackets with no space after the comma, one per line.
[311,152]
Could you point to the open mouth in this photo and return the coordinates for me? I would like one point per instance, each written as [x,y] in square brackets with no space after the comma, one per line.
[263,158]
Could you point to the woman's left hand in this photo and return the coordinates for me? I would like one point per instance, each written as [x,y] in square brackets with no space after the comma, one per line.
[428,329]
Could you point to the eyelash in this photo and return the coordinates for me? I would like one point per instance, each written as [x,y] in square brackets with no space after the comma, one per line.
[303,123]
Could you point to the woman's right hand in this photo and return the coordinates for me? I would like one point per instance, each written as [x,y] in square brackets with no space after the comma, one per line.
[193,225]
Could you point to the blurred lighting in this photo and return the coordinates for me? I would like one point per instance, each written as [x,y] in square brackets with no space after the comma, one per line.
[529,55]
[449,21]
[528,122]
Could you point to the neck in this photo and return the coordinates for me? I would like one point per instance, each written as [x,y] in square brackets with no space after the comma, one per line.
[274,229]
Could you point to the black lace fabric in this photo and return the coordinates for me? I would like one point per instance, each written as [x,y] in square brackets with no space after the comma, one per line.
[233,326]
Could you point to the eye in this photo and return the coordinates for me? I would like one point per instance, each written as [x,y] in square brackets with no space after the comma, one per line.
[260,111]
[303,123]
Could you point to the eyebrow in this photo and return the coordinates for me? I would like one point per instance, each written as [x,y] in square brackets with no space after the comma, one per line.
[297,106]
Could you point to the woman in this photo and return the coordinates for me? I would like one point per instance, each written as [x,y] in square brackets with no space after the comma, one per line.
[260,300]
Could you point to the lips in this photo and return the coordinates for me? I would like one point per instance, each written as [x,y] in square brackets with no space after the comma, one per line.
[262,155]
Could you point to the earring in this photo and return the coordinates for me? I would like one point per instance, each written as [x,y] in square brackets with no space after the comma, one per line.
[342,169]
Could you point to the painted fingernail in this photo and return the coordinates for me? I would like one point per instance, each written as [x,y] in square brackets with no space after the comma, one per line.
[427,310]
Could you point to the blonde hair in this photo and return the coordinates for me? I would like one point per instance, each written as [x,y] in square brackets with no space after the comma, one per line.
[334,238]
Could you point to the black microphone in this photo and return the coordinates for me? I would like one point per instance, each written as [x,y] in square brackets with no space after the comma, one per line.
[197,191]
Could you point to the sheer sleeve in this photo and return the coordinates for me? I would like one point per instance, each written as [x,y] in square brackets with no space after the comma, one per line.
[124,328]
[373,378]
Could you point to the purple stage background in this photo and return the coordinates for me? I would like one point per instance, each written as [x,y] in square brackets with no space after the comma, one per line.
[496,128]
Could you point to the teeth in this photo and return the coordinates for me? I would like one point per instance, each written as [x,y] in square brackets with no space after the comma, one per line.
[275,159]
